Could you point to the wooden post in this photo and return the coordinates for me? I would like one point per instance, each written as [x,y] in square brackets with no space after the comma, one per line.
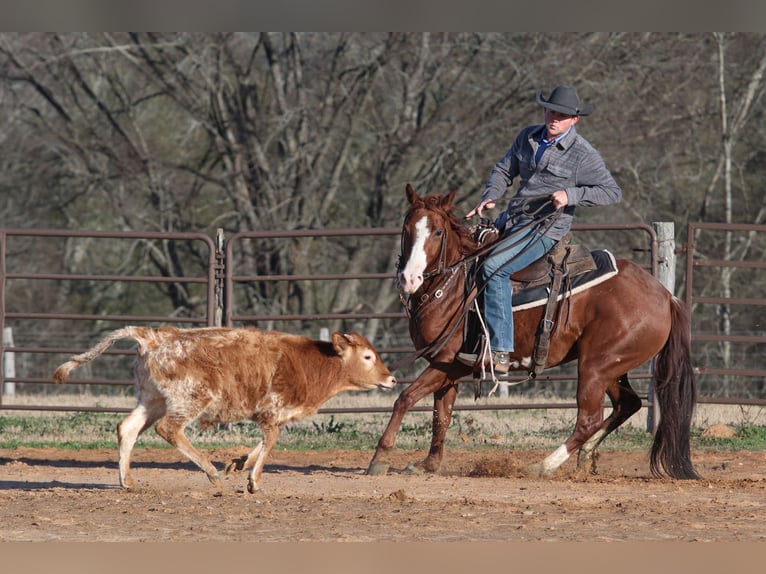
[9,365]
[666,254]
[666,274]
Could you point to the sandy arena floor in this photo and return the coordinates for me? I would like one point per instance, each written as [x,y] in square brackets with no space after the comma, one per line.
[67,496]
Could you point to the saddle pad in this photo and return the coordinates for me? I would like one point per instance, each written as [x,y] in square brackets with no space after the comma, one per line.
[606,267]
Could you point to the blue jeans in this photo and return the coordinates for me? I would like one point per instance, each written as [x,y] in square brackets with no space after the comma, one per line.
[502,262]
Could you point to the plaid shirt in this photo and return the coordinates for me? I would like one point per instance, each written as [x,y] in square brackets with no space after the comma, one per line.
[571,164]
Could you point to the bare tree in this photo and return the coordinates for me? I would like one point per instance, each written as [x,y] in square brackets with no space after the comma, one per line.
[286,131]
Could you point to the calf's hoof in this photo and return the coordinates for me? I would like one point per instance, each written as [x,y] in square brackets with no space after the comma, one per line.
[252,486]
[127,483]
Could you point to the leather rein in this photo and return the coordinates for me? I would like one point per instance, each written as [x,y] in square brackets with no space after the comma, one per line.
[443,268]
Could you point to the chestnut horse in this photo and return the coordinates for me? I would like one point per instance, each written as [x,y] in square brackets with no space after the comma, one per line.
[610,328]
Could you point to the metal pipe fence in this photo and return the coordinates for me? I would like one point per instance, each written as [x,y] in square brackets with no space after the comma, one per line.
[222,275]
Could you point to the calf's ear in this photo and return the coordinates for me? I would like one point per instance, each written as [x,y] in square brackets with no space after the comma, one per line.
[341,342]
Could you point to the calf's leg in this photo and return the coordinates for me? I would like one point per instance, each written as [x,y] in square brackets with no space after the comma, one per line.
[128,431]
[259,454]
[171,428]
[256,459]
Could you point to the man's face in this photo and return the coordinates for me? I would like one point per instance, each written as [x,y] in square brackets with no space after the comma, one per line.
[557,123]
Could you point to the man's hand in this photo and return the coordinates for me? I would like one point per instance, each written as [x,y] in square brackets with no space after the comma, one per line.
[559,199]
[482,205]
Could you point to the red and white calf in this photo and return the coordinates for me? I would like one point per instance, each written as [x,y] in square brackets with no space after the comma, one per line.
[218,375]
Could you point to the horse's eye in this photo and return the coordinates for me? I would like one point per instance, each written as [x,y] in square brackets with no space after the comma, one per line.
[438,232]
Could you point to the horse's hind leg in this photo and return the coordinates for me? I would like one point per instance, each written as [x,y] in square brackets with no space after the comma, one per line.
[591,428]
[625,403]
[591,390]
[590,418]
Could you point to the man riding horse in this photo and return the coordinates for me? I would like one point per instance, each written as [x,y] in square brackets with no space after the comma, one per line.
[552,160]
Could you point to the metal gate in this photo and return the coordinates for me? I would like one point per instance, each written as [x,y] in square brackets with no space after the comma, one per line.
[725,278]
[44,333]
[41,329]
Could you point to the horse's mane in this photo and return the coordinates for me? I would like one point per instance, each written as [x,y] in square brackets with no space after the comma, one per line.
[442,204]
[467,244]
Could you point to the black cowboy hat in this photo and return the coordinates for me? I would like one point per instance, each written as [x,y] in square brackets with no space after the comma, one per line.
[565,100]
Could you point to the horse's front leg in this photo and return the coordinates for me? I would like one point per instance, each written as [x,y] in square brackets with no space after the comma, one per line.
[444,400]
[429,381]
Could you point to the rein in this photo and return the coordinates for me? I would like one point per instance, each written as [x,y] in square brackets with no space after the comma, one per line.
[442,268]
[521,205]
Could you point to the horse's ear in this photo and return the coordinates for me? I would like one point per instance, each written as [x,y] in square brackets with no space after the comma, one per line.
[412,195]
[448,201]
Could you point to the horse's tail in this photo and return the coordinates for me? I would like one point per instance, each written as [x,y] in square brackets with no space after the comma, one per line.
[676,390]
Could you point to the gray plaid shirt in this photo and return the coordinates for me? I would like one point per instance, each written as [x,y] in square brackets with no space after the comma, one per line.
[571,164]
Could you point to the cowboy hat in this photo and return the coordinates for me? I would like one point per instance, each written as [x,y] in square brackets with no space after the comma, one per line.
[565,100]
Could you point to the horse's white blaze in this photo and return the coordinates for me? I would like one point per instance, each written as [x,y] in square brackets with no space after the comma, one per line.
[411,277]
[555,460]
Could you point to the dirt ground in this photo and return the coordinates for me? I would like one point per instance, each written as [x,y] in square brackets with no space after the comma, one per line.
[69,496]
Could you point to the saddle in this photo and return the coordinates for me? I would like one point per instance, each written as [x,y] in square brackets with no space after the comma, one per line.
[562,263]
[571,260]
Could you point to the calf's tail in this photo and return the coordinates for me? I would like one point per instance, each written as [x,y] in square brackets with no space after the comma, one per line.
[62,373]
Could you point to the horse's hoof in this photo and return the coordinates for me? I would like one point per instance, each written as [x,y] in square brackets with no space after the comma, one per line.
[414,469]
[582,473]
[535,470]
[233,466]
[378,468]
[236,464]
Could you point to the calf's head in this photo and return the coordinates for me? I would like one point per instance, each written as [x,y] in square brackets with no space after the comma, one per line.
[361,362]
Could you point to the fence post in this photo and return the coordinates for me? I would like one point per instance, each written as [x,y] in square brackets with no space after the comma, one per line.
[9,364]
[666,274]
[220,291]
[666,254]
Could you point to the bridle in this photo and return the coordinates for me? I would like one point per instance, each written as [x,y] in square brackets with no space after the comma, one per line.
[442,268]
[521,205]
[441,261]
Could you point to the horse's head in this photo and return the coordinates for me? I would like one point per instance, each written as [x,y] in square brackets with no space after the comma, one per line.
[432,239]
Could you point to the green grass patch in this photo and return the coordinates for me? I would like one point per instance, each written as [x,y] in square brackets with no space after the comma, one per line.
[747,437]
[88,430]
